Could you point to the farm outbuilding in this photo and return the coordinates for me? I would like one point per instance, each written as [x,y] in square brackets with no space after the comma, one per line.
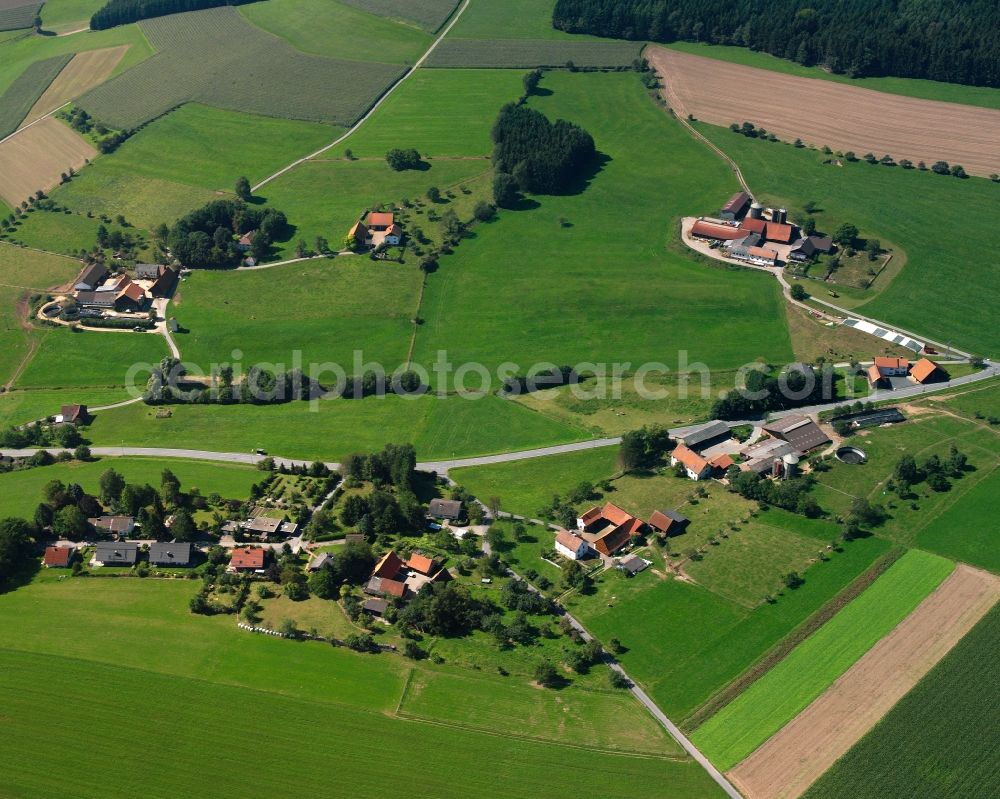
[735,205]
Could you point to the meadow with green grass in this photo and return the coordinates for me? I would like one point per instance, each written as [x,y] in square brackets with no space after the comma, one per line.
[809,669]
[58,231]
[922,201]
[965,531]
[21,491]
[330,429]
[330,28]
[427,14]
[939,741]
[20,407]
[604,250]
[90,358]
[76,636]
[513,19]
[65,15]
[684,643]
[532,53]
[324,310]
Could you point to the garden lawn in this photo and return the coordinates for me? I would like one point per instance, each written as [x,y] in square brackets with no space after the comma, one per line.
[524,487]
[771,702]
[90,358]
[588,276]
[439,428]
[966,531]
[21,491]
[684,643]
[338,31]
[324,310]
[939,741]
[439,112]
[856,192]
[326,197]
[983,96]
[73,637]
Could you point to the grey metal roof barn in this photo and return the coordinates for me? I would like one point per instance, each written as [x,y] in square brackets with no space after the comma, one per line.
[700,434]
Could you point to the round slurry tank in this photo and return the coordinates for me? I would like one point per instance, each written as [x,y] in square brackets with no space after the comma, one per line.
[851,455]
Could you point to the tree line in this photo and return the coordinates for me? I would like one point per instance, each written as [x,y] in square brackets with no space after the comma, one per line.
[122,12]
[946,40]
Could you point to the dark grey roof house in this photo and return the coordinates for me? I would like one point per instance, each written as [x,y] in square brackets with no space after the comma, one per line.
[116,553]
[90,277]
[178,554]
[147,271]
[450,509]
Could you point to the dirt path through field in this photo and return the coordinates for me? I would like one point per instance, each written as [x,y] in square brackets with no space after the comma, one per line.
[795,757]
[821,112]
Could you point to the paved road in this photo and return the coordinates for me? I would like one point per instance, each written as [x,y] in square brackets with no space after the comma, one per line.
[377,105]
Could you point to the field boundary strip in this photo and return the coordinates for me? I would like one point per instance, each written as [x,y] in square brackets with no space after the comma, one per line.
[781,650]
[813,666]
[791,760]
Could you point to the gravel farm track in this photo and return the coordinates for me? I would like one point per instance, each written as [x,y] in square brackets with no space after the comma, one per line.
[795,757]
[822,112]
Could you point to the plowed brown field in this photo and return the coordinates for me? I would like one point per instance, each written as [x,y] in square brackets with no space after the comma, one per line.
[824,113]
[35,157]
[80,75]
[795,757]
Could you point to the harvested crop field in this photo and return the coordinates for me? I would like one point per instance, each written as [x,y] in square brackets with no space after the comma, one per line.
[23,93]
[16,14]
[824,113]
[35,157]
[255,72]
[81,74]
[794,758]
[428,14]
[526,54]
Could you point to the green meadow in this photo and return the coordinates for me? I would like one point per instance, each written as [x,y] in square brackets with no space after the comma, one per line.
[438,428]
[949,273]
[777,697]
[336,30]
[966,531]
[439,112]
[76,636]
[20,407]
[512,19]
[90,358]
[588,276]
[21,491]
[326,310]
[65,15]
[983,96]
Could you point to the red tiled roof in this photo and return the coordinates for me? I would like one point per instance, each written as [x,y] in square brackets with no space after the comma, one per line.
[874,375]
[615,538]
[420,563]
[389,566]
[247,238]
[133,292]
[590,516]
[392,587]
[778,231]
[616,515]
[923,369]
[723,461]
[358,230]
[247,558]
[751,225]
[887,362]
[710,230]
[380,219]
[569,540]
[57,556]
[735,203]
[71,413]
[691,459]
[763,252]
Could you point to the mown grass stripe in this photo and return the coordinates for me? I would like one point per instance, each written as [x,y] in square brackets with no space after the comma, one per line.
[810,668]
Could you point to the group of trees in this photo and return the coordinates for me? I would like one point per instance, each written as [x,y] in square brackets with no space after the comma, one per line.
[16,545]
[445,609]
[399,159]
[644,448]
[764,393]
[36,434]
[122,12]
[532,154]
[395,465]
[937,39]
[936,471]
[205,238]
[537,381]
[792,495]
[392,506]
[168,384]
